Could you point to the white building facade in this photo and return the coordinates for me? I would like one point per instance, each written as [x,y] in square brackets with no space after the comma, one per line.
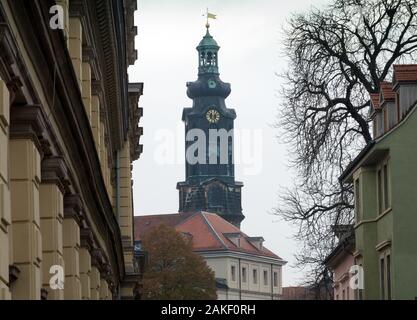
[241,276]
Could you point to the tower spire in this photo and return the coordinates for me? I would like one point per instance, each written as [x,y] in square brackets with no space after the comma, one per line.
[209,15]
[207,20]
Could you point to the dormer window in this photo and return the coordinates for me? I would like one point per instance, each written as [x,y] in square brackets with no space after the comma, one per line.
[234,237]
[257,242]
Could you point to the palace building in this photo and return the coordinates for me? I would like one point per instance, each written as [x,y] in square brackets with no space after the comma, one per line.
[68,136]
[210,209]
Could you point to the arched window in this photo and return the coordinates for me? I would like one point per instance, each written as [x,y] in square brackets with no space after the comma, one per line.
[209,58]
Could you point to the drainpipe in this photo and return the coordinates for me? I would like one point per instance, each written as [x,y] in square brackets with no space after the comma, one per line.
[272,283]
[117,185]
[240,280]
[118,202]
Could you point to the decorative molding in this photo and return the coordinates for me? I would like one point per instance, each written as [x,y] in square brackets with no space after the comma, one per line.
[90,56]
[87,239]
[73,208]
[131,31]
[135,132]
[14,272]
[10,64]
[44,294]
[28,122]
[97,258]
[54,170]
[97,90]
[383,245]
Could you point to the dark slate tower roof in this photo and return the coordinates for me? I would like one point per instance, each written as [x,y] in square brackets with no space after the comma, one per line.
[210,186]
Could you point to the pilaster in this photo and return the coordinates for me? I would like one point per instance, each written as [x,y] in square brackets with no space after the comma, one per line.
[71,246]
[87,243]
[86,88]
[54,180]
[5,210]
[27,137]
[75,46]
[27,243]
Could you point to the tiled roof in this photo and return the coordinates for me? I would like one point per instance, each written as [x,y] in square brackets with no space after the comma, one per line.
[144,223]
[207,230]
[387,92]
[405,73]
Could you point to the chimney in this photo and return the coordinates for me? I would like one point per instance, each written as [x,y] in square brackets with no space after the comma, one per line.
[376,116]
[257,242]
[405,87]
[387,105]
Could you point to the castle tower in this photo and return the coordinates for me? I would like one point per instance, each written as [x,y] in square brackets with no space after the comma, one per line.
[210,174]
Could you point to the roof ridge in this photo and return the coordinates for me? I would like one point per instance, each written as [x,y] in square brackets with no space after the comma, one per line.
[157,215]
[187,218]
[212,229]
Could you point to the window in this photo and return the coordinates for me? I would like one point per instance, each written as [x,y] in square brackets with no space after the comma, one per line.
[386,188]
[385,275]
[383,187]
[233,269]
[388,277]
[265,277]
[382,278]
[379,181]
[255,276]
[243,274]
[343,294]
[275,279]
[357,200]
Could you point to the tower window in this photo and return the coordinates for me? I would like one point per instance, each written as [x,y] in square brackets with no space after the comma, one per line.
[209,58]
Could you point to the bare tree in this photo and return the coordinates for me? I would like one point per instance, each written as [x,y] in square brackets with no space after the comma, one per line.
[336,57]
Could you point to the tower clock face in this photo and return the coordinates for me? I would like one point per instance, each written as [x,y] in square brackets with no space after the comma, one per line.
[213,116]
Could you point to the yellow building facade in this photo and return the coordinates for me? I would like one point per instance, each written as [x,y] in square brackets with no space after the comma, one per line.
[68,136]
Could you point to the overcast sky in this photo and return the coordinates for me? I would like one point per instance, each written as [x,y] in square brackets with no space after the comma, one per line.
[250,36]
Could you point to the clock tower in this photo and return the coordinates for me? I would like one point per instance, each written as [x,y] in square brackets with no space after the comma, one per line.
[210,175]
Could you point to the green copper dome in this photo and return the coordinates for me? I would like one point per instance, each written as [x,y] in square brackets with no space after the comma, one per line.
[208,41]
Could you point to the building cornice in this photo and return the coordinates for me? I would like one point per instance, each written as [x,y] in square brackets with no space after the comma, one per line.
[240,255]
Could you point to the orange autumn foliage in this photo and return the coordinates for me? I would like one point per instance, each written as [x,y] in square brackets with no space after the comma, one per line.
[174,271]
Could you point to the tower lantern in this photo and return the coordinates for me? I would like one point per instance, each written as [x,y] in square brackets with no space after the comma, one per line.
[208,54]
